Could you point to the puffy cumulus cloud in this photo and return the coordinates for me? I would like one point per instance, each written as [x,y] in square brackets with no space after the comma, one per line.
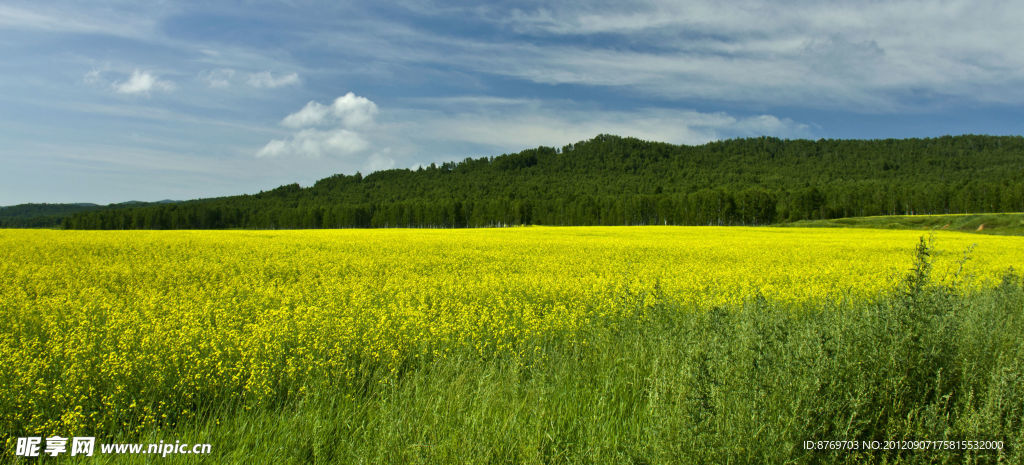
[266,79]
[140,83]
[338,130]
[317,143]
[349,110]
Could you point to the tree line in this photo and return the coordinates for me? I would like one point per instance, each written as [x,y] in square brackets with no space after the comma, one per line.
[50,215]
[611,180]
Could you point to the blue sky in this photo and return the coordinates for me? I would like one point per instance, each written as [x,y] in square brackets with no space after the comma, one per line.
[111,101]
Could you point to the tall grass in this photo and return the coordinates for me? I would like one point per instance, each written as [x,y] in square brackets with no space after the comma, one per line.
[743,384]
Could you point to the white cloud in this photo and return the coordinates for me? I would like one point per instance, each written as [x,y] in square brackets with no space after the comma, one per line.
[313,114]
[266,79]
[353,110]
[348,110]
[142,82]
[338,130]
[316,143]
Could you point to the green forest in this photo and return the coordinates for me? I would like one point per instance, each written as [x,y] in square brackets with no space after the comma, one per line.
[611,180]
[49,215]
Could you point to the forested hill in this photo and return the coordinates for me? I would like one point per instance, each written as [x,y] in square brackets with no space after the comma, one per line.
[612,180]
[48,215]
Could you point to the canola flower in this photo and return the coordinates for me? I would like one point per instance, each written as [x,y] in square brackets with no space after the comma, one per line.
[129,330]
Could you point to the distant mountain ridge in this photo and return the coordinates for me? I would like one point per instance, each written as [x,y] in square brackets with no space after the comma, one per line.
[49,215]
[611,180]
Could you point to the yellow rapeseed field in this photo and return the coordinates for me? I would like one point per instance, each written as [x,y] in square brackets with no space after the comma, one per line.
[127,330]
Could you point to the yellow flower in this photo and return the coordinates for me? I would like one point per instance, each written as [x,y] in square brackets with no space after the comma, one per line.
[125,328]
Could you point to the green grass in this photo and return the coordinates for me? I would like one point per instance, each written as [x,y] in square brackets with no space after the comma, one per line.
[985,223]
[747,384]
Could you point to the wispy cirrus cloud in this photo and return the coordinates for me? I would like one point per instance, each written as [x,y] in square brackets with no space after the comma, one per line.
[862,56]
[222,78]
[97,19]
[266,79]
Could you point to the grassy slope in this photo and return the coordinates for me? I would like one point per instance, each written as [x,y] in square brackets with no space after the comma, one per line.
[985,223]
